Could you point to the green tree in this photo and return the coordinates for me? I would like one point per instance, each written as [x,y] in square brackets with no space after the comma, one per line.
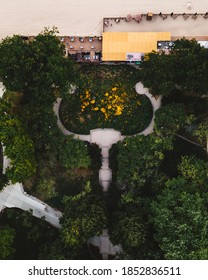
[128,227]
[194,170]
[53,250]
[45,189]
[18,146]
[35,67]
[201,133]
[13,52]
[3,181]
[73,153]
[139,158]
[196,129]
[169,119]
[7,235]
[185,67]
[84,217]
[190,66]
[180,213]
[157,73]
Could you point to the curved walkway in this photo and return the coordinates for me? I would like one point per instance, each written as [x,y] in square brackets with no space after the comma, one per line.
[14,196]
[82,137]
[105,138]
[156,103]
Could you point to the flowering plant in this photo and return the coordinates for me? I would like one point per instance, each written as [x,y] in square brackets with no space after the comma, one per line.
[106,98]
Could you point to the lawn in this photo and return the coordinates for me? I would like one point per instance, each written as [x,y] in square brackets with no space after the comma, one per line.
[106,98]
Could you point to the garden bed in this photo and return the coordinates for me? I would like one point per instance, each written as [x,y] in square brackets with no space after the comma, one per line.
[106,98]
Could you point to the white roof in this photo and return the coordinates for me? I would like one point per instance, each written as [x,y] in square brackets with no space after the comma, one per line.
[203,44]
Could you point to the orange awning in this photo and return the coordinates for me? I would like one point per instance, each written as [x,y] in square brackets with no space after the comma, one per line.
[117,44]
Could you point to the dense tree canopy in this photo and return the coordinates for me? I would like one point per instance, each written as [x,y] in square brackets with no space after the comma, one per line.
[128,226]
[35,72]
[156,217]
[73,153]
[185,67]
[35,67]
[195,170]
[196,128]
[190,66]
[84,217]
[139,158]
[169,119]
[7,235]
[18,146]
[180,214]
[157,73]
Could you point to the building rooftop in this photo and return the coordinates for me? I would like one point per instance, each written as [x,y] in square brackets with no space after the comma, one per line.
[117,45]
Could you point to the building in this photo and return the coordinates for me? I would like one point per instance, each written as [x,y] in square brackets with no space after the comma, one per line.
[130,46]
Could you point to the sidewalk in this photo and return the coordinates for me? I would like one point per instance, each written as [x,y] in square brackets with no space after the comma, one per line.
[13,196]
[2,89]
[105,138]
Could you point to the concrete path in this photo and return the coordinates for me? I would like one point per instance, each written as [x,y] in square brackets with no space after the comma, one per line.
[56,107]
[156,103]
[104,244]
[14,196]
[6,161]
[105,138]
[2,89]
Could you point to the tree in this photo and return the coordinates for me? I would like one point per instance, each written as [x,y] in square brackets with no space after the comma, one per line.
[139,158]
[7,235]
[3,181]
[180,213]
[201,133]
[197,129]
[84,217]
[73,153]
[157,73]
[14,52]
[190,66]
[194,170]
[53,250]
[128,227]
[45,189]
[35,67]
[18,146]
[169,119]
[185,67]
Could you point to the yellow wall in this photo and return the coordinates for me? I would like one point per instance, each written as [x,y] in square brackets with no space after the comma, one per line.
[117,44]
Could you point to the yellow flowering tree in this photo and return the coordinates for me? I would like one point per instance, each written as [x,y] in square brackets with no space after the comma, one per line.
[112,103]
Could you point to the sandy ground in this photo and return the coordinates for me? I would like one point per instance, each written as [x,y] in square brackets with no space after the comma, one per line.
[80,17]
[177,27]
